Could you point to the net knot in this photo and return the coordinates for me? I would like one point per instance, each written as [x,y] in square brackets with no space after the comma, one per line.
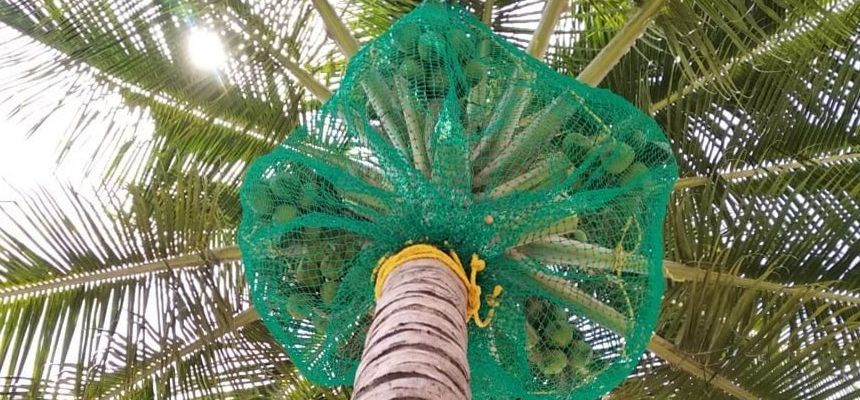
[418,251]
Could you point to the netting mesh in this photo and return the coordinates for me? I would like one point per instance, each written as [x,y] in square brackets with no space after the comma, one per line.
[443,133]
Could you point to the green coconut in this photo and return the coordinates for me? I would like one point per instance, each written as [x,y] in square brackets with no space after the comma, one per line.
[328,291]
[438,82]
[309,194]
[576,146]
[308,275]
[581,348]
[579,356]
[320,325]
[407,37]
[636,139]
[410,69]
[532,337]
[553,362]
[560,315]
[299,305]
[534,310]
[284,213]
[618,157]
[331,268]
[428,46]
[560,334]
[633,172]
[460,43]
[534,355]
[286,187]
[579,235]
[475,71]
[261,201]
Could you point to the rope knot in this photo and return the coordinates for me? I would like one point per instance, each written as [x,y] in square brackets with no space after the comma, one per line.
[473,291]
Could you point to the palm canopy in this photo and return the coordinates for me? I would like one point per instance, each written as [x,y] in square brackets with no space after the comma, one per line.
[141,294]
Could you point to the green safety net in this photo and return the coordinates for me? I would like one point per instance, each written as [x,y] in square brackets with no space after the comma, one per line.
[443,133]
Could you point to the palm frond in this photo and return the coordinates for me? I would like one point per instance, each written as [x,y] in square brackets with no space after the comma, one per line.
[160,368]
[773,345]
[58,320]
[791,227]
[779,113]
[802,223]
[668,352]
[802,32]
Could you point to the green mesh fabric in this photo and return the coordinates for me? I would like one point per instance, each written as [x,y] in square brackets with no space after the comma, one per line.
[443,133]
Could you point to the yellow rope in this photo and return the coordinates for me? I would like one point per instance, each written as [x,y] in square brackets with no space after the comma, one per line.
[418,251]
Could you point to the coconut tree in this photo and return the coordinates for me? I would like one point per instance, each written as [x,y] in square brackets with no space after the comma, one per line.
[141,293]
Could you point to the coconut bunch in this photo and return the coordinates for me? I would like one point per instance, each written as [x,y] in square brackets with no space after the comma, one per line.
[556,349]
[312,256]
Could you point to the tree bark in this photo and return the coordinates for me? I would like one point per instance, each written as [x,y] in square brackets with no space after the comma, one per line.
[416,345]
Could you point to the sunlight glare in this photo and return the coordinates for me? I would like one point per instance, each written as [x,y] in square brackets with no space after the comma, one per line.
[205,49]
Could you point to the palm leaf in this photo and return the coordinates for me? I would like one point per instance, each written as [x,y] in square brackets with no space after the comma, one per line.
[81,283]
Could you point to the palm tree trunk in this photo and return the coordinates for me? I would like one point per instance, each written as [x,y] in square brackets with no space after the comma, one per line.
[416,345]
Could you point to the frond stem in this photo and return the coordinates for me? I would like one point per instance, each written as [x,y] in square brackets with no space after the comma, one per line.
[562,251]
[695,181]
[487,13]
[668,352]
[62,283]
[336,28]
[303,77]
[548,20]
[620,44]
